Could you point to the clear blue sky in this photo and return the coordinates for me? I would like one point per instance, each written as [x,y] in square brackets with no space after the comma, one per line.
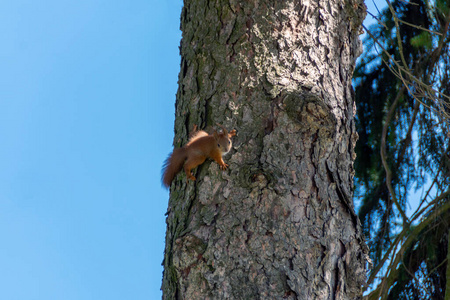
[87,92]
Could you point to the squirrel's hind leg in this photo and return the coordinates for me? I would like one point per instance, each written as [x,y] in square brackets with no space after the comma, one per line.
[192,163]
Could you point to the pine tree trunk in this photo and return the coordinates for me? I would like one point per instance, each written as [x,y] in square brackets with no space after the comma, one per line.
[279,223]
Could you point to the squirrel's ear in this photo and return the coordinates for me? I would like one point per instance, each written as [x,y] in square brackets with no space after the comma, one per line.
[224,131]
[232,133]
[216,135]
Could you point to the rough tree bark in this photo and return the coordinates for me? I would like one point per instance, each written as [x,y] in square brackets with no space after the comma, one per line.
[279,223]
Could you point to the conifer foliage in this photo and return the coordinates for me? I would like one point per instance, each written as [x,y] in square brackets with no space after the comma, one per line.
[402,168]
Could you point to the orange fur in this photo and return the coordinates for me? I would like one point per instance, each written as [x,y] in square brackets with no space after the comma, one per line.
[200,147]
[173,165]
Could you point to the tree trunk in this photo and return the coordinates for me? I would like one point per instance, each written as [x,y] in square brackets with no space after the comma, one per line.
[279,223]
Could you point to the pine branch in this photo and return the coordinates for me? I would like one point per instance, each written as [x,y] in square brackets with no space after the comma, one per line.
[384,159]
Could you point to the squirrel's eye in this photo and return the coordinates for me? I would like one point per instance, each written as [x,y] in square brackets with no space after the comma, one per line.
[218,145]
[228,142]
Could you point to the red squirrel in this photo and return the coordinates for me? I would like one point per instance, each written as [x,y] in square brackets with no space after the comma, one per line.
[200,146]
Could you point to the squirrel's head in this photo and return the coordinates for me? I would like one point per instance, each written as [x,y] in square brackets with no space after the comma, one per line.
[223,141]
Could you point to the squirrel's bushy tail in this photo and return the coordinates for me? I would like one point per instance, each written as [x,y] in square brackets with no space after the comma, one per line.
[173,165]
